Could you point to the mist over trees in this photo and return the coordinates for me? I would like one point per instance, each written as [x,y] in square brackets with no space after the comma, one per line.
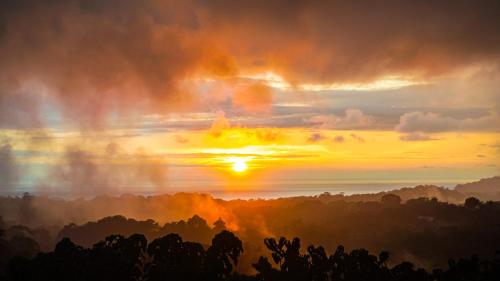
[35,211]
[424,230]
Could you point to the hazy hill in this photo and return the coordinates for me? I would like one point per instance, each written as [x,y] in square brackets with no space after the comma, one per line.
[406,193]
[484,189]
[35,211]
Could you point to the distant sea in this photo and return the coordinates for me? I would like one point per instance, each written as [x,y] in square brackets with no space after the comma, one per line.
[261,190]
[300,189]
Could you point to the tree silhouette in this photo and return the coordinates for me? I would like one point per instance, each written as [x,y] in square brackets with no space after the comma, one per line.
[118,258]
[222,255]
[472,203]
[316,265]
[170,258]
[5,252]
[173,259]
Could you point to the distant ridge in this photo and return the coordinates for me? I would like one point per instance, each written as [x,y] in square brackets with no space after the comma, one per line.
[405,193]
[32,210]
[485,189]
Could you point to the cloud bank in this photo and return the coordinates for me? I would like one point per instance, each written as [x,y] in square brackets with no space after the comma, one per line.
[96,58]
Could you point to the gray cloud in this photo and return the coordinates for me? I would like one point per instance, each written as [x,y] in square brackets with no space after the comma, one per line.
[316,137]
[352,119]
[429,122]
[83,172]
[18,106]
[416,137]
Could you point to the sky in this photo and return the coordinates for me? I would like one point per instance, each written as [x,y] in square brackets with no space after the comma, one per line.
[123,96]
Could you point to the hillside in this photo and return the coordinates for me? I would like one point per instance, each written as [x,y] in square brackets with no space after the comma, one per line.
[484,189]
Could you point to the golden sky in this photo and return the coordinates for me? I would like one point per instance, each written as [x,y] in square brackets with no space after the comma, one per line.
[164,96]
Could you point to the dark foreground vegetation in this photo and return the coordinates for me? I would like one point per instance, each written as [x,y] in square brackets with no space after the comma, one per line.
[427,231]
[171,258]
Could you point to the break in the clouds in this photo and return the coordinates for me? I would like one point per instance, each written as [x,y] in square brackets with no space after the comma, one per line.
[97,58]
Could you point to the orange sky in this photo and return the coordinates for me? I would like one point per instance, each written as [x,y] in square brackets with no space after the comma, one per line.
[120,96]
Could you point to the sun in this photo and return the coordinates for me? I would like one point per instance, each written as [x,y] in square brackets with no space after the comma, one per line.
[239,165]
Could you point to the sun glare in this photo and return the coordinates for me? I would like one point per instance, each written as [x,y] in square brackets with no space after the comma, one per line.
[239,165]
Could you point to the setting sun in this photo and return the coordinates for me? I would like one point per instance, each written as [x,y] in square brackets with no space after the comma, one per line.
[215,131]
[239,165]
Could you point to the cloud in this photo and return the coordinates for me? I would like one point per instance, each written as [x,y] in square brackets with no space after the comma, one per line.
[8,167]
[353,119]
[80,174]
[113,149]
[268,134]
[416,137]
[316,137]
[83,172]
[181,139]
[318,41]
[429,122]
[339,139]
[220,124]
[93,58]
[357,137]
[253,98]
[18,107]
